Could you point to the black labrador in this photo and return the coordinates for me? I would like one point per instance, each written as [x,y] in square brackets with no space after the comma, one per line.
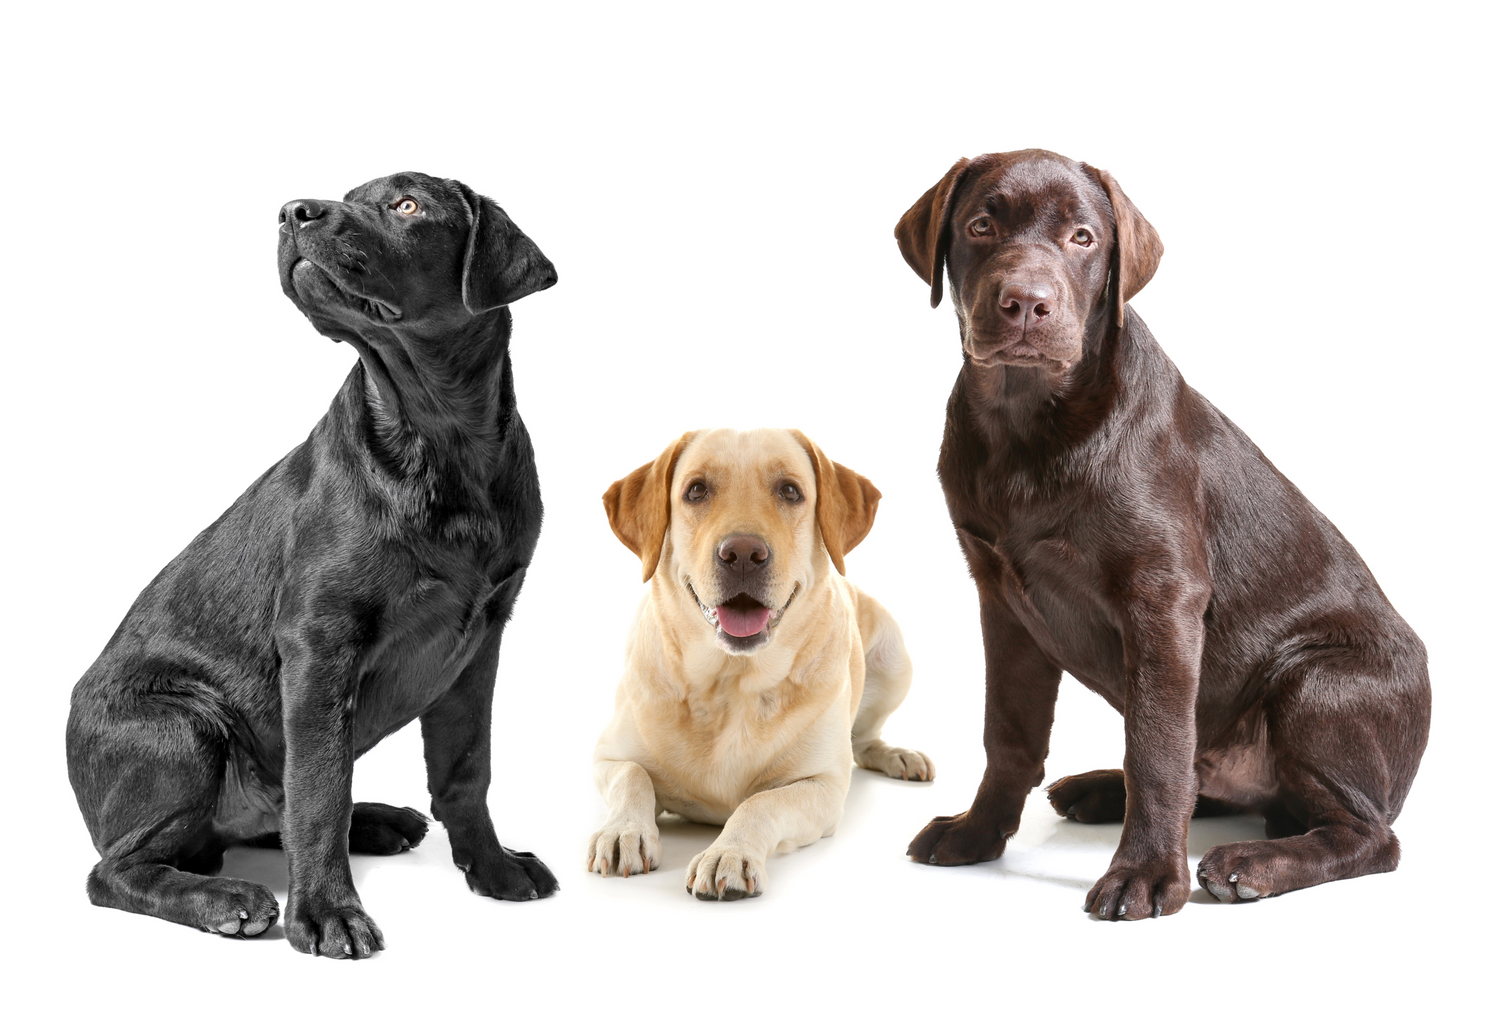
[1120,528]
[361,582]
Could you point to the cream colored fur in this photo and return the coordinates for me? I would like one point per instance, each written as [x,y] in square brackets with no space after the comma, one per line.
[761,743]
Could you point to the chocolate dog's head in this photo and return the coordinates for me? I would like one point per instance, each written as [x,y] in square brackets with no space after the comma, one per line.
[1036,246]
[737,518]
[406,252]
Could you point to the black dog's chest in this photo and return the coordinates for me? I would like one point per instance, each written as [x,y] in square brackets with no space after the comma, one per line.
[428,635]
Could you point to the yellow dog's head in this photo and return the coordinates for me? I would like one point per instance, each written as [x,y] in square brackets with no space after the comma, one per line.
[746,521]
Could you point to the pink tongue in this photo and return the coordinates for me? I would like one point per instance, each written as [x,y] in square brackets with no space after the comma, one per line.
[742,623]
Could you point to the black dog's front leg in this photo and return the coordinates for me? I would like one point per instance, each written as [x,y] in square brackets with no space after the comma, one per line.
[324,915]
[456,740]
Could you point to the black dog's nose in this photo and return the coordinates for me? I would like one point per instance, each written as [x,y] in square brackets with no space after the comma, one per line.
[1025,303]
[744,553]
[299,211]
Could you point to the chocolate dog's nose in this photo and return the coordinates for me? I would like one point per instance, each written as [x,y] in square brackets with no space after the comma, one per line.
[1025,303]
[744,553]
[299,211]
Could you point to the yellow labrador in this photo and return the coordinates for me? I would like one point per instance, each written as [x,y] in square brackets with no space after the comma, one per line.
[754,675]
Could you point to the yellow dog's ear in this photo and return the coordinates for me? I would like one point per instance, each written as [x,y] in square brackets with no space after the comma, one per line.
[1138,248]
[639,506]
[846,502]
[922,232]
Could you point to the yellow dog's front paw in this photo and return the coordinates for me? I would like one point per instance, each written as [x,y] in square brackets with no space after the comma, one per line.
[907,765]
[725,873]
[625,850]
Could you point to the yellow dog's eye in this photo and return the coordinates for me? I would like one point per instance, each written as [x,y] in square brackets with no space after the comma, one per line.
[406,205]
[1083,237]
[790,493]
[981,227]
[695,492]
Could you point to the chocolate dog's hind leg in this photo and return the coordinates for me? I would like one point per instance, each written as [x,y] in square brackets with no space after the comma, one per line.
[1346,752]
[1098,797]
[456,740]
[147,782]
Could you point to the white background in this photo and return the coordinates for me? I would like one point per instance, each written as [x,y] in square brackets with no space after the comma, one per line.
[717,188]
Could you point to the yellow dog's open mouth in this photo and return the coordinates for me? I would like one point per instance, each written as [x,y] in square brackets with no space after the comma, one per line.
[743,622]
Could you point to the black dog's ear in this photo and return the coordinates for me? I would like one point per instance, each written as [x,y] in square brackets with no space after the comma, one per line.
[501,264]
[1138,248]
[922,232]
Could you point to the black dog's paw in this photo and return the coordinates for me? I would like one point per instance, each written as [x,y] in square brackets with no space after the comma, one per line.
[1097,797]
[382,829]
[961,839]
[514,875]
[235,908]
[338,930]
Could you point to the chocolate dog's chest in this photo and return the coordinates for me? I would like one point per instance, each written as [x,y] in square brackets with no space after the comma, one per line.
[1051,582]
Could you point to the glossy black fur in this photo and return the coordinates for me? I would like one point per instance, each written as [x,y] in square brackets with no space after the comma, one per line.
[361,582]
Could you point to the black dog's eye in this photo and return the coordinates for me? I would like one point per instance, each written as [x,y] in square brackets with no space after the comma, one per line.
[406,205]
[789,493]
[1083,237]
[981,227]
[695,492]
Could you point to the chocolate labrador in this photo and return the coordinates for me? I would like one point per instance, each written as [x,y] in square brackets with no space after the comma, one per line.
[361,582]
[1123,530]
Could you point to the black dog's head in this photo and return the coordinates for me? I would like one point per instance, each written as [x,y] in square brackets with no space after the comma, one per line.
[406,252]
[1036,245]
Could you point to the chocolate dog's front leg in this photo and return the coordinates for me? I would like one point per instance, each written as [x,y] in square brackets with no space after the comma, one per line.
[1163,643]
[456,740]
[1019,700]
[324,915]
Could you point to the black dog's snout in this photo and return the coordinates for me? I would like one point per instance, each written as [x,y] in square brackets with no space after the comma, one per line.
[1026,303]
[300,211]
[744,553]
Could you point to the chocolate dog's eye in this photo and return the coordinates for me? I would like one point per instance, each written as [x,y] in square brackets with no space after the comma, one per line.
[790,493]
[695,492]
[981,227]
[406,205]
[1083,237]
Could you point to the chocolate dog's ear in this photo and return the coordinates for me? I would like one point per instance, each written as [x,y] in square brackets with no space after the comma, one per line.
[1138,248]
[922,232]
[846,502]
[501,264]
[639,506]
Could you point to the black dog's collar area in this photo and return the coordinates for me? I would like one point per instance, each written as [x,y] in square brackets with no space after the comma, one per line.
[741,645]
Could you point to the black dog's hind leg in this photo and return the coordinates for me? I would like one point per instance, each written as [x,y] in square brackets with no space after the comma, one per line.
[147,783]
[375,829]
[381,829]
[456,739]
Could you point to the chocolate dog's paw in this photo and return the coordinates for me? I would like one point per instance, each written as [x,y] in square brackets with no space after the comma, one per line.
[382,829]
[342,931]
[515,875]
[1238,871]
[625,849]
[907,765]
[1128,893]
[725,873]
[1096,797]
[960,839]
[231,907]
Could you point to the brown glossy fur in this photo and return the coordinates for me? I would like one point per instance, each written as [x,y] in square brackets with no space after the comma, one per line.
[1120,528]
